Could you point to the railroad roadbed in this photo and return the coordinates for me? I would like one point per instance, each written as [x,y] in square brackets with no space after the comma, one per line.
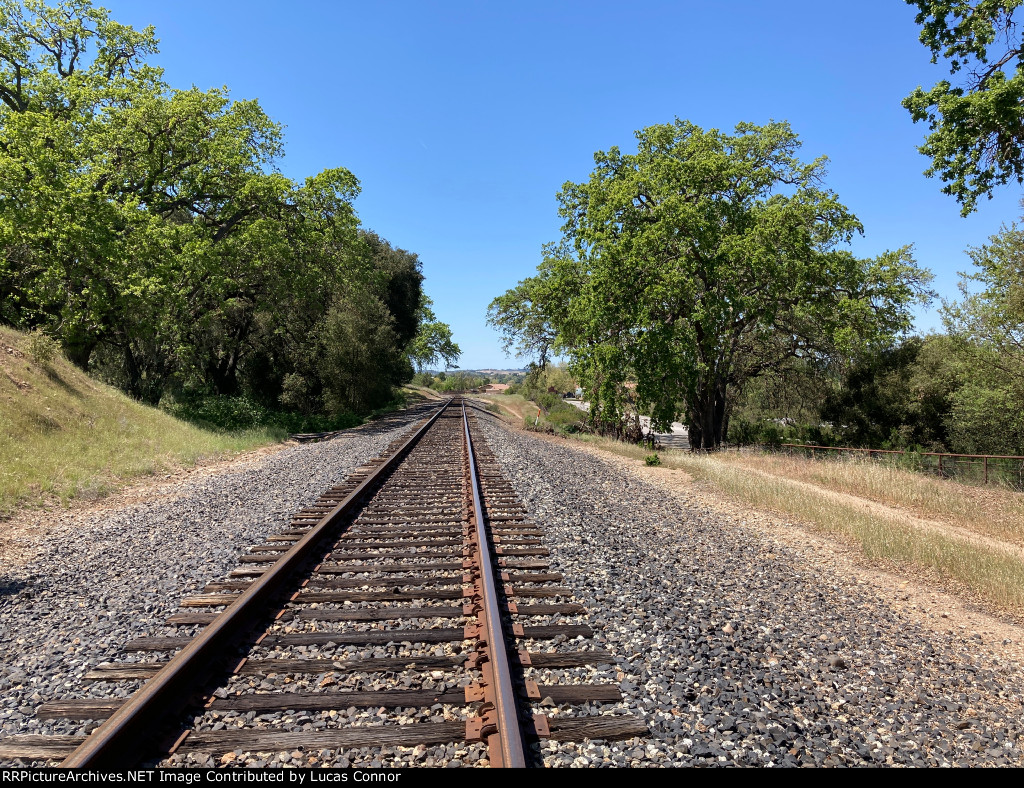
[714,645]
[738,651]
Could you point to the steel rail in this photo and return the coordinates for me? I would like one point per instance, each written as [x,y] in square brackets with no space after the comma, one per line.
[510,736]
[119,742]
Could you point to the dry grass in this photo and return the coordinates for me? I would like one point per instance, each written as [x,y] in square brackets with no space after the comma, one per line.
[418,394]
[992,511]
[515,406]
[981,552]
[64,435]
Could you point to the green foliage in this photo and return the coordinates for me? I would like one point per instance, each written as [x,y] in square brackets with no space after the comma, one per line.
[976,139]
[794,393]
[566,418]
[433,342]
[986,328]
[547,401]
[524,321]
[773,432]
[362,358]
[150,232]
[652,460]
[458,381]
[42,348]
[888,400]
[549,381]
[701,262]
[235,414]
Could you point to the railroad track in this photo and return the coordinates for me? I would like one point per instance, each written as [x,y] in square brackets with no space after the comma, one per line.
[418,588]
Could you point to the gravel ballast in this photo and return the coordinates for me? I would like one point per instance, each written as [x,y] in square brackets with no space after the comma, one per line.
[739,652]
[100,580]
[734,648]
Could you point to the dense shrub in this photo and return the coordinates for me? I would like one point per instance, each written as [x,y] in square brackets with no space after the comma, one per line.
[231,414]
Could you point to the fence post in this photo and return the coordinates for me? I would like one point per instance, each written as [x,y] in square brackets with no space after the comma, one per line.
[986,470]
[940,467]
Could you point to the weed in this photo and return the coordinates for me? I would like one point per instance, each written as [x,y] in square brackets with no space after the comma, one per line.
[652,460]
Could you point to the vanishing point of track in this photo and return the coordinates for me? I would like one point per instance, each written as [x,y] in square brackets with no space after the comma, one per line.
[426,551]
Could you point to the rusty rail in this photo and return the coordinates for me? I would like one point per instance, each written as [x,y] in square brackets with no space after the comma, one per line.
[499,724]
[116,743]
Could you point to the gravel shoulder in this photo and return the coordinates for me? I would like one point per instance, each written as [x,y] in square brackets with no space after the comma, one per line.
[748,641]
[22,535]
[97,578]
[922,598]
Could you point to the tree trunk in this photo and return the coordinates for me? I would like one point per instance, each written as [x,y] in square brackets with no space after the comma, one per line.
[79,350]
[132,372]
[223,373]
[708,417]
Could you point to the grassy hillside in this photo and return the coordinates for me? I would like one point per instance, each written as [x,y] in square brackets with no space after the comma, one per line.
[64,435]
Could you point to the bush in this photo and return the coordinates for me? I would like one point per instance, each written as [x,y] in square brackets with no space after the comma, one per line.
[652,460]
[771,433]
[235,414]
[536,424]
[42,347]
[566,418]
[548,401]
[743,432]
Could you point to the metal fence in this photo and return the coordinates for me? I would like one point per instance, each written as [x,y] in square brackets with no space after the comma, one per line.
[1004,470]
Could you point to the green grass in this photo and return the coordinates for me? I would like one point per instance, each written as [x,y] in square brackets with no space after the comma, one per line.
[64,435]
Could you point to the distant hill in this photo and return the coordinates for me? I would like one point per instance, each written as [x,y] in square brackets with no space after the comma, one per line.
[479,371]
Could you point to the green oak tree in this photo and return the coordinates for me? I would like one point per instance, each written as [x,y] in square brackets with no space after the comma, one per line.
[976,123]
[700,262]
[149,230]
[986,328]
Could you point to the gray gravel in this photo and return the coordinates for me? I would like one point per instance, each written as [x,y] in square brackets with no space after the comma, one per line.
[104,579]
[733,648]
[738,652]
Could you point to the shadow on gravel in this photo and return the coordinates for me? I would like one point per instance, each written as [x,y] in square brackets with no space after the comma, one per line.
[9,587]
[377,426]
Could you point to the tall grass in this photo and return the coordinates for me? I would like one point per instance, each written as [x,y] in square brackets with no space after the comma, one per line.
[783,485]
[993,511]
[996,574]
[64,435]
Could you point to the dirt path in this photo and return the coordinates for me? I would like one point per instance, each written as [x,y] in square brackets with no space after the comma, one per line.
[900,515]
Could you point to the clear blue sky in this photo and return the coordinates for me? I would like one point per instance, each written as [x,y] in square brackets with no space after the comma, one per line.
[463,119]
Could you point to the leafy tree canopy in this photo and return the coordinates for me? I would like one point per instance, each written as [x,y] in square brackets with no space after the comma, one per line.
[698,263]
[149,230]
[976,124]
[987,331]
[433,342]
